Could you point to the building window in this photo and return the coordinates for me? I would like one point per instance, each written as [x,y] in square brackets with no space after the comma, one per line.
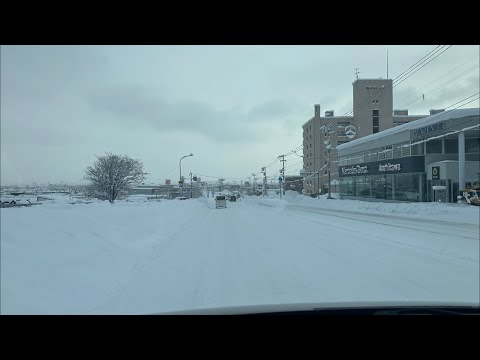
[388,152]
[472,145]
[417,149]
[405,149]
[381,153]
[451,146]
[434,146]
[325,172]
[375,118]
[341,133]
[343,123]
[397,151]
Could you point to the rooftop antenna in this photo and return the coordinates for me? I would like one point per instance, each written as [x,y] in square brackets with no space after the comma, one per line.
[357,72]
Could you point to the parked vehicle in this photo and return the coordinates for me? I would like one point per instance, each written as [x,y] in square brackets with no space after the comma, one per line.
[411,195]
[220,201]
[471,196]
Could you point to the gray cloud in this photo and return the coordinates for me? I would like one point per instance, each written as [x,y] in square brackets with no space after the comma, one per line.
[138,105]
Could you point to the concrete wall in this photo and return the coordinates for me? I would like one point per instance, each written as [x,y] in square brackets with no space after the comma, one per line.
[365,92]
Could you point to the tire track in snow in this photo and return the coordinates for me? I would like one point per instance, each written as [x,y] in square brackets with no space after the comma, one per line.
[144,263]
[390,241]
[313,210]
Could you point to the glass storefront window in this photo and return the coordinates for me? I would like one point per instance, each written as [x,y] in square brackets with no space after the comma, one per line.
[407,187]
[434,146]
[400,187]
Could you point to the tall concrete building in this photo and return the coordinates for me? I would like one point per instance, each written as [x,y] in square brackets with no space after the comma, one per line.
[372,112]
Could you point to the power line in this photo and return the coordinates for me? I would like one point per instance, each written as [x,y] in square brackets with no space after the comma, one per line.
[441,86]
[381,91]
[437,79]
[402,77]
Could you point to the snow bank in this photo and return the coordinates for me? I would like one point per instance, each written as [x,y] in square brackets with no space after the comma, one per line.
[442,211]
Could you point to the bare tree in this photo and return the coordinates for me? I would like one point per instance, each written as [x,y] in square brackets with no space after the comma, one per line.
[111,175]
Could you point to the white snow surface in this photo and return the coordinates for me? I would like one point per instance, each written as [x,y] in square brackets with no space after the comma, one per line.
[144,257]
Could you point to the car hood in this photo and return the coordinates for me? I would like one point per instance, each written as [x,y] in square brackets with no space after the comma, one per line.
[332,307]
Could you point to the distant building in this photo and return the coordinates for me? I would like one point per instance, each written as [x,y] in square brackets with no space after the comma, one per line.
[373,112]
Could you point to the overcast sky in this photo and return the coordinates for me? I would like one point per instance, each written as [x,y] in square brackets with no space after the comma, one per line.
[236,108]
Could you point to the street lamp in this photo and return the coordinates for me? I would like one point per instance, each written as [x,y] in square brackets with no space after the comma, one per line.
[180,164]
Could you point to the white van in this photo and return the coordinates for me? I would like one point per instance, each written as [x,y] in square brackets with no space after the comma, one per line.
[220,201]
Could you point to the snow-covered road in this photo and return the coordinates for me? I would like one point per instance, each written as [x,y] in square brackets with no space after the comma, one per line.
[147,258]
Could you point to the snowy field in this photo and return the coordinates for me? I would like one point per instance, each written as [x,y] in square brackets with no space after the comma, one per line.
[142,257]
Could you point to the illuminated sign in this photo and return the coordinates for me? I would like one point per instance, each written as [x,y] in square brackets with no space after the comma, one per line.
[355,170]
[389,167]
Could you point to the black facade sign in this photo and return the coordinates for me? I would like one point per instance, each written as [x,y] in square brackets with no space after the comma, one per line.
[435,172]
[412,164]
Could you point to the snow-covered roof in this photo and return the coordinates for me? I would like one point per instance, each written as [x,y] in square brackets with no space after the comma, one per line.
[453,161]
[429,120]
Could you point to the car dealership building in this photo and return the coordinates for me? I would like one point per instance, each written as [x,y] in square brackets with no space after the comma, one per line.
[405,162]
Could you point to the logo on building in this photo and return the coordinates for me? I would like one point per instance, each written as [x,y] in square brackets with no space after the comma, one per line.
[429,129]
[389,167]
[350,131]
[435,172]
[354,170]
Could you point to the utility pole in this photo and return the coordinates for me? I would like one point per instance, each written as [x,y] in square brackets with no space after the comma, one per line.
[190,185]
[264,172]
[282,188]
[318,182]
